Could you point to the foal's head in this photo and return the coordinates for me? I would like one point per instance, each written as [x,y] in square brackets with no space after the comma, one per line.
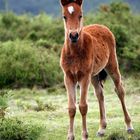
[72,14]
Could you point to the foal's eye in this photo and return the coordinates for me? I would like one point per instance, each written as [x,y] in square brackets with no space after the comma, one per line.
[64,17]
[80,16]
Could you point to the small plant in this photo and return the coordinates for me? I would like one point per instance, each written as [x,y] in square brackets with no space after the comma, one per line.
[14,129]
[23,105]
[44,106]
[3,103]
[50,107]
[116,136]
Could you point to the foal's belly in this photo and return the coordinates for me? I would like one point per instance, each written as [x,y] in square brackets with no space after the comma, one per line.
[100,63]
[101,57]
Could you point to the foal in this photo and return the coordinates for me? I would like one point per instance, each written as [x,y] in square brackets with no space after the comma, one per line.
[88,51]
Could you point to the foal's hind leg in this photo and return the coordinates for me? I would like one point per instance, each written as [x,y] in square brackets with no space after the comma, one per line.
[99,93]
[114,72]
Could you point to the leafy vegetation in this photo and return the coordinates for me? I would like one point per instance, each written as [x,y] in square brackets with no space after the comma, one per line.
[119,18]
[55,120]
[14,129]
[22,64]
[29,58]
[30,46]
[4,96]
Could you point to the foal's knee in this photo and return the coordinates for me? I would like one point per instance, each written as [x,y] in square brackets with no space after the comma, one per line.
[72,112]
[83,109]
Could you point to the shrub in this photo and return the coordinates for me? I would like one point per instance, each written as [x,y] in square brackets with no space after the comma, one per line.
[24,65]
[41,106]
[3,103]
[116,136]
[124,24]
[31,28]
[30,45]
[14,129]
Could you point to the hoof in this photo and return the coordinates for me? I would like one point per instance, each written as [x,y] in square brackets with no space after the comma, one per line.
[71,137]
[130,130]
[85,136]
[101,133]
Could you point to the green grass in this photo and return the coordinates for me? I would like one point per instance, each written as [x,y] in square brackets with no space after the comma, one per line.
[48,108]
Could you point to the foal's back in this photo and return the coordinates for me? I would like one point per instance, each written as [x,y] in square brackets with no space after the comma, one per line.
[102,34]
[104,45]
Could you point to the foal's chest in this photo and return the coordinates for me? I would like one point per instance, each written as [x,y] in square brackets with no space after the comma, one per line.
[73,63]
[76,63]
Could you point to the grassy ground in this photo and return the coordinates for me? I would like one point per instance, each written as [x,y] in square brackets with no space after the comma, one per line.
[48,108]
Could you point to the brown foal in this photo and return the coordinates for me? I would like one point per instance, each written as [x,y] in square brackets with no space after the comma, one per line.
[87,54]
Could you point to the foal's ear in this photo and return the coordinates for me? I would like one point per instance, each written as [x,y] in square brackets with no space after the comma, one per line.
[65,2]
[79,2]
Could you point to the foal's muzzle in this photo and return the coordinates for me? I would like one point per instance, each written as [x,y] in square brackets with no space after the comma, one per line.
[74,37]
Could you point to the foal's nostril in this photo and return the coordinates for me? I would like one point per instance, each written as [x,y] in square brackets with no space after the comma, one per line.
[77,35]
[74,36]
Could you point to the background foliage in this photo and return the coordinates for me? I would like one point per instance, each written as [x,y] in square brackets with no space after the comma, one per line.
[29,59]
[30,45]
[14,129]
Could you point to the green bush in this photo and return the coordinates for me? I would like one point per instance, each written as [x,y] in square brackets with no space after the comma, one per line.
[3,103]
[124,24]
[30,45]
[25,65]
[14,27]
[116,136]
[3,99]
[123,136]
[41,106]
[14,129]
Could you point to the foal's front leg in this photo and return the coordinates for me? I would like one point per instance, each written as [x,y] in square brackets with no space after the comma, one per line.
[83,106]
[71,93]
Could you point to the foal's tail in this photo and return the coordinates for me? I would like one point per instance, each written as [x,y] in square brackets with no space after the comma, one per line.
[102,76]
